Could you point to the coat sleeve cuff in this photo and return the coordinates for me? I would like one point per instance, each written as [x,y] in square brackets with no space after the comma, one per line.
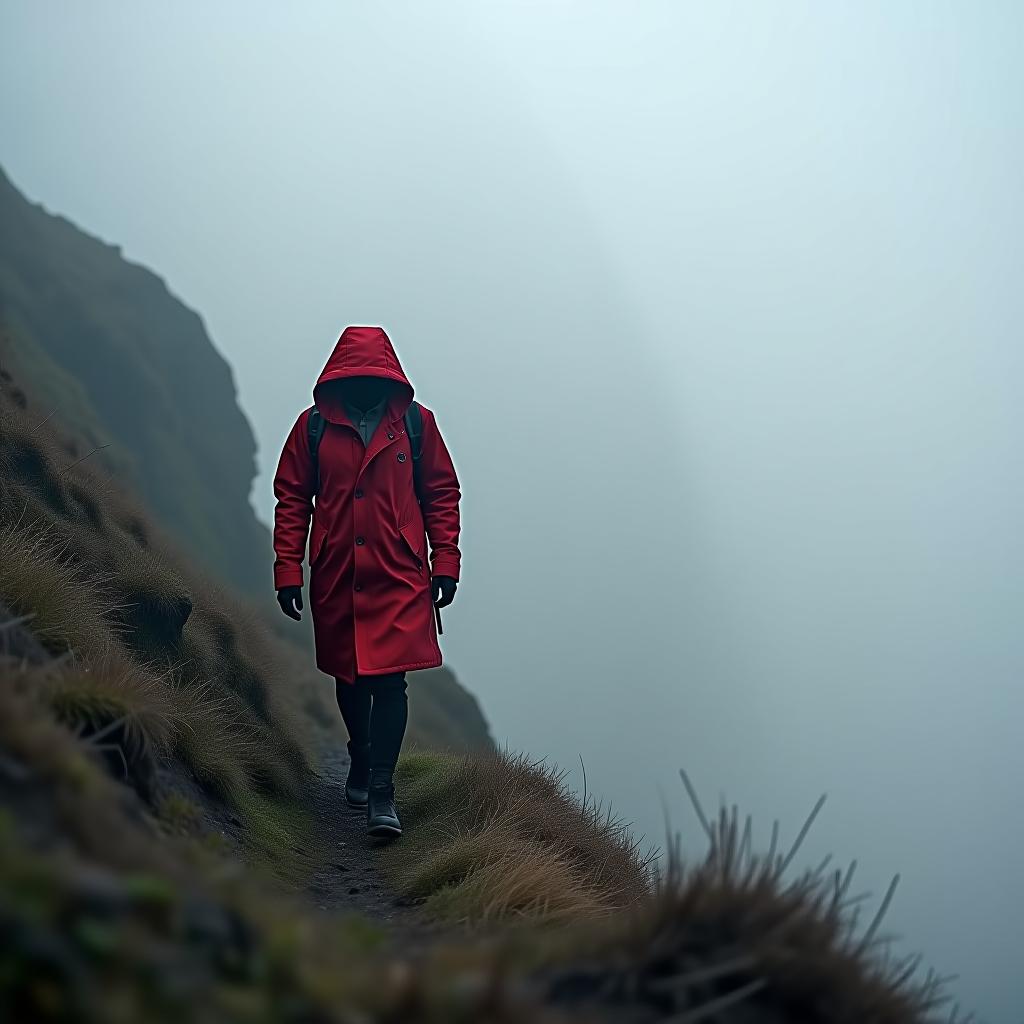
[445,567]
[288,577]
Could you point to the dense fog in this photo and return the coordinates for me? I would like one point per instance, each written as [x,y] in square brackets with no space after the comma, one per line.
[718,307]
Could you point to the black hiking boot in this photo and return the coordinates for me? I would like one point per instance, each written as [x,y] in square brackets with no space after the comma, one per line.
[381,813]
[358,781]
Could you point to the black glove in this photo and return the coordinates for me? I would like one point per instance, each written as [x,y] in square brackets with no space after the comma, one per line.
[290,600]
[443,589]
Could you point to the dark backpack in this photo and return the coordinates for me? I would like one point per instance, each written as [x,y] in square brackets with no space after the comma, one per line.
[413,429]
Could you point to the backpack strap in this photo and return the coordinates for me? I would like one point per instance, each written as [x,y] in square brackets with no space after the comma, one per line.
[315,432]
[414,430]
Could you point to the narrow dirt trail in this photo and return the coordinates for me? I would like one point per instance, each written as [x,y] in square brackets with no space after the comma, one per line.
[347,876]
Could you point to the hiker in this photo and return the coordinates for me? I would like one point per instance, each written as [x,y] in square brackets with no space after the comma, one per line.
[371,469]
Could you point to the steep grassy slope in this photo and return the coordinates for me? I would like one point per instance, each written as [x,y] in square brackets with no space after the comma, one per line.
[153,649]
[108,914]
[140,704]
[104,342]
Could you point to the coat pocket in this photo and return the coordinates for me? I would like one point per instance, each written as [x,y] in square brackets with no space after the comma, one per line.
[413,538]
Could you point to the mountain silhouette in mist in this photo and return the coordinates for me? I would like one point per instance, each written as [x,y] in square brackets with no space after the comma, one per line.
[104,343]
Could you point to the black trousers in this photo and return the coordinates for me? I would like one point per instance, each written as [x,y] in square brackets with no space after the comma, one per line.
[376,711]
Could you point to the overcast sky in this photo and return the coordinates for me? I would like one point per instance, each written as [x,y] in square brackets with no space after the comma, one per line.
[719,309]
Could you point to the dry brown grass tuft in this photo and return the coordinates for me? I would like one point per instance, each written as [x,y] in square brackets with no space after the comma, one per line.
[733,938]
[70,607]
[130,712]
[243,688]
[60,784]
[495,836]
[111,687]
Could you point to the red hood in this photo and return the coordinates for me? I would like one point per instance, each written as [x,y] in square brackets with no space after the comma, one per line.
[362,352]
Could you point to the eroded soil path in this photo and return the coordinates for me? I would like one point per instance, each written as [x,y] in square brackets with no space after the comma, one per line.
[347,875]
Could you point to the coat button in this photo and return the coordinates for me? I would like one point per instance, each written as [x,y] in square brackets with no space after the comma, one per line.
[401,456]
[391,436]
[360,540]
[358,586]
[359,492]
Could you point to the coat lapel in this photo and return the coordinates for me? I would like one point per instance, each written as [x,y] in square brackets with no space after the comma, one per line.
[390,430]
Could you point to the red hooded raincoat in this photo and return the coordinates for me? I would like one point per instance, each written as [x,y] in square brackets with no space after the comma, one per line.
[369,592]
